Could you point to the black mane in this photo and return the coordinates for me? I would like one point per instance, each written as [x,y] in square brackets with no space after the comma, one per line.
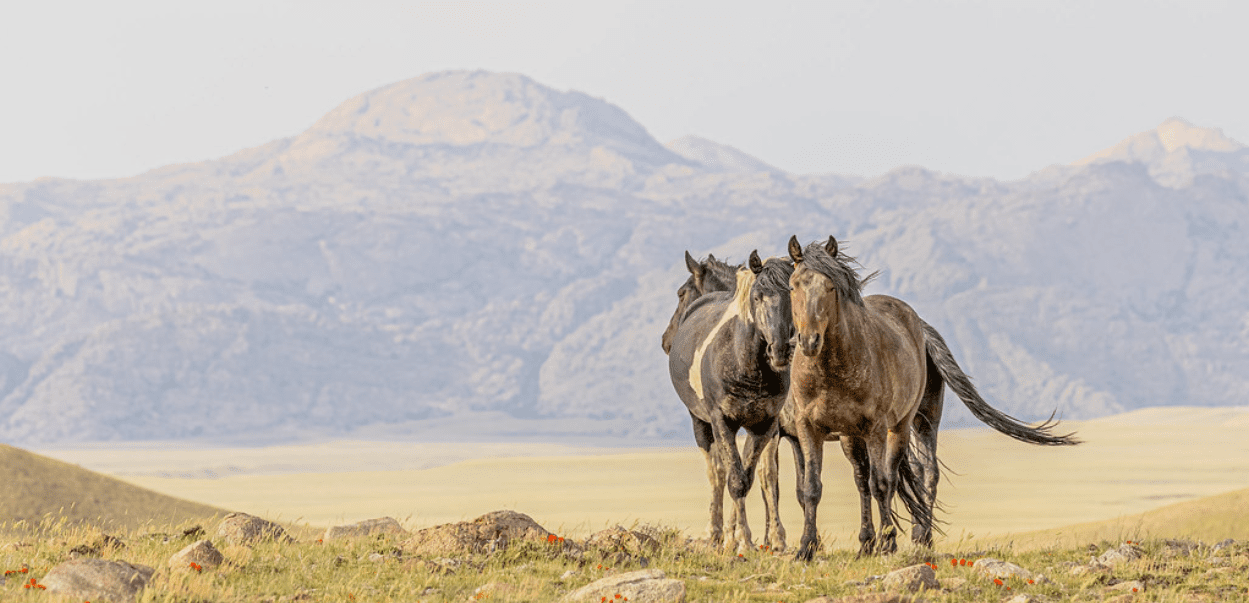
[838,270]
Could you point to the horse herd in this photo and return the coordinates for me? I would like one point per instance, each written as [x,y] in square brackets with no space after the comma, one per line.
[869,373]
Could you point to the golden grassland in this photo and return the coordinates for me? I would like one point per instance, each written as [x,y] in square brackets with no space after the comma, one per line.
[994,487]
[33,487]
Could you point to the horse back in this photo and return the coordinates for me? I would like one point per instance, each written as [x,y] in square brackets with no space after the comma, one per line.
[898,341]
[700,319]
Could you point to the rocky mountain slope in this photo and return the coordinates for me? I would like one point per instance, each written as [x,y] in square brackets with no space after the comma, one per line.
[470,254]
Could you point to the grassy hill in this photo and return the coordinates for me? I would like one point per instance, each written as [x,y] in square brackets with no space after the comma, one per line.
[36,487]
[1209,519]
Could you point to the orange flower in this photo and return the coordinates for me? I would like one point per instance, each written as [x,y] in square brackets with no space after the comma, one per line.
[617,595]
[1030,581]
[997,581]
[962,562]
[954,562]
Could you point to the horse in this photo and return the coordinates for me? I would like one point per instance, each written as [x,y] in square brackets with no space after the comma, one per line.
[714,275]
[708,275]
[729,362]
[867,365]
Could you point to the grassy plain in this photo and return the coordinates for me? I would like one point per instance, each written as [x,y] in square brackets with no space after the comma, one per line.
[995,487]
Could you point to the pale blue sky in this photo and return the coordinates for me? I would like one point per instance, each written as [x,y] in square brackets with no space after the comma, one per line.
[110,89]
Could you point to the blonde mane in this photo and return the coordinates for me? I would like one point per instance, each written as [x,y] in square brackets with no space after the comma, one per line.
[741,295]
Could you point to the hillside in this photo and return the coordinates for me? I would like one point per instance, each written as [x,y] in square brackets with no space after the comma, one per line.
[475,255]
[36,486]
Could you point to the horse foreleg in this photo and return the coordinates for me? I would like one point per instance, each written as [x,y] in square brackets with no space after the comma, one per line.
[855,449]
[715,475]
[812,445]
[755,443]
[770,487]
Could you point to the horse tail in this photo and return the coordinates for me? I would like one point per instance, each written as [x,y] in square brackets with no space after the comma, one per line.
[958,381]
[913,492]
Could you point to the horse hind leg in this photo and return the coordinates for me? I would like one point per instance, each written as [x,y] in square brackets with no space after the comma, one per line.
[770,487]
[926,470]
[885,468]
[715,475]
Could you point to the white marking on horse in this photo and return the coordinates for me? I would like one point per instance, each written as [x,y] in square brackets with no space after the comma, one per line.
[745,280]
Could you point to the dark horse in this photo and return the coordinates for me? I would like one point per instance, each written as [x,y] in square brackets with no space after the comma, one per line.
[864,372]
[708,276]
[729,361]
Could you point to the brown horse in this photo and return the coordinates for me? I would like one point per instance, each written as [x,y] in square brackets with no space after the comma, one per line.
[864,372]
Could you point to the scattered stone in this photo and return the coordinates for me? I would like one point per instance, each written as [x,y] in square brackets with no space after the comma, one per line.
[200,552]
[98,580]
[244,529]
[490,589]
[870,598]
[1124,554]
[1024,598]
[486,534]
[911,579]
[1002,570]
[442,565]
[953,584]
[1131,586]
[643,586]
[618,539]
[568,574]
[368,527]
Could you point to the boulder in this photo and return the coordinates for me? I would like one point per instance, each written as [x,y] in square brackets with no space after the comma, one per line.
[1002,570]
[368,527]
[869,598]
[98,580]
[490,532]
[1123,554]
[244,529]
[643,586]
[911,579]
[200,552]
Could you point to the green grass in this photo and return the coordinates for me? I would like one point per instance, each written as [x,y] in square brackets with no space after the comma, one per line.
[537,571]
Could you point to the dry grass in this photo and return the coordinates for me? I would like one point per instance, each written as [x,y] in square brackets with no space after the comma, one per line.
[376,569]
[36,487]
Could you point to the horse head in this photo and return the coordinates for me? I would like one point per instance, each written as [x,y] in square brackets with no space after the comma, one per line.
[708,275]
[770,307]
[822,281]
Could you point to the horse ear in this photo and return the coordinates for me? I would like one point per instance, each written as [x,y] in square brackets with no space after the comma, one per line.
[711,257]
[756,266]
[693,266]
[795,249]
[831,246]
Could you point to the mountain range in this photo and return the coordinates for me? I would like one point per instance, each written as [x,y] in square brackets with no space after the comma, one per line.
[473,255]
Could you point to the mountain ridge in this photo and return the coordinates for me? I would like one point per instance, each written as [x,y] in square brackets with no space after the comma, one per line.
[337,283]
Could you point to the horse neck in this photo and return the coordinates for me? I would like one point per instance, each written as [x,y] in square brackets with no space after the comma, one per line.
[749,345]
[846,338]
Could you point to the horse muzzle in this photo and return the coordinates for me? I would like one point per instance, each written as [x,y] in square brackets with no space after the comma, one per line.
[810,344]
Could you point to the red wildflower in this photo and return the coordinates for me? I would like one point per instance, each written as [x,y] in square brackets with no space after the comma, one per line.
[1030,581]
[618,595]
[962,562]
[550,537]
[997,581]
[954,562]
[603,600]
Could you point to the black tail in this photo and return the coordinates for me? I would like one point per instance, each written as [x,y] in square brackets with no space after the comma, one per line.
[958,381]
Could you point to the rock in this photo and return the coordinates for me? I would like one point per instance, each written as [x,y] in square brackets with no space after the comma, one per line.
[490,590]
[911,579]
[618,539]
[490,532]
[244,529]
[368,527]
[1123,554]
[1130,586]
[1230,542]
[643,586]
[953,584]
[98,580]
[870,598]
[1024,599]
[1002,570]
[200,552]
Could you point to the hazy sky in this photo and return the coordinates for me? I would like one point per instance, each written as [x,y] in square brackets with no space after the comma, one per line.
[108,89]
